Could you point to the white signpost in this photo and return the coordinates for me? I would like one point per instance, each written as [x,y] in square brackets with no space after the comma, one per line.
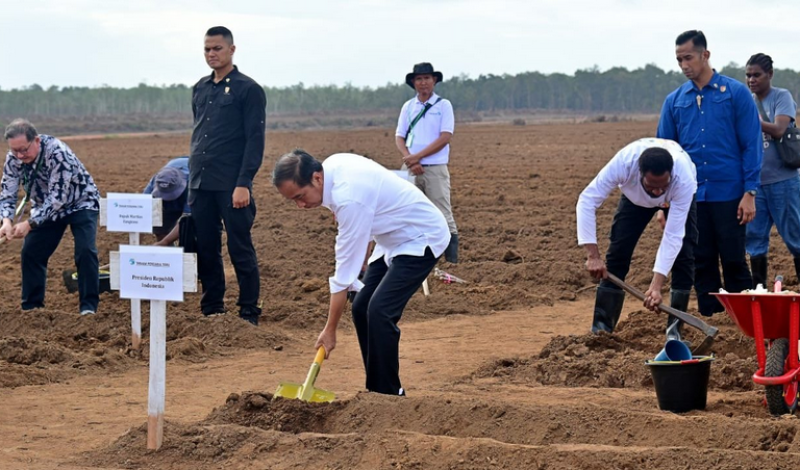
[151,272]
[129,212]
[132,213]
[158,274]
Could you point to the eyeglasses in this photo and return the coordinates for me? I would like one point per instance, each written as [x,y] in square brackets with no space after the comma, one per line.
[22,151]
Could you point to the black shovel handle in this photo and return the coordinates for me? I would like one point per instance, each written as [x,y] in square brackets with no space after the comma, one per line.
[690,320]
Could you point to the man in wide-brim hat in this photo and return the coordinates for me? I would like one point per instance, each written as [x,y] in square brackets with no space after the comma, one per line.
[423,68]
[423,135]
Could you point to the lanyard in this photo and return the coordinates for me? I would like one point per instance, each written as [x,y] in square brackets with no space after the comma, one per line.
[27,182]
[420,115]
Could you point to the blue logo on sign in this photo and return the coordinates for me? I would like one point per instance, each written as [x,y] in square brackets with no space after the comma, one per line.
[116,204]
[131,261]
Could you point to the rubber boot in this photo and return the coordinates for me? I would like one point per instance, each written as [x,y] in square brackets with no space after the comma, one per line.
[607,308]
[250,315]
[758,264]
[451,252]
[797,268]
[679,300]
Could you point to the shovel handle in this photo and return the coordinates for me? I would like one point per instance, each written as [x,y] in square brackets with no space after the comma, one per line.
[320,355]
[690,320]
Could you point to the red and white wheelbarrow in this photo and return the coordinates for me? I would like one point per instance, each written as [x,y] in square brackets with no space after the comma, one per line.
[772,318]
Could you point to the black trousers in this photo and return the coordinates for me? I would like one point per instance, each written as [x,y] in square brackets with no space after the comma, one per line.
[629,223]
[41,243]
[722,239]
[376,310]
[210,209]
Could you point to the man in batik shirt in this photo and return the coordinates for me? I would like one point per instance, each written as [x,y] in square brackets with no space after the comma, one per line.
[62,193]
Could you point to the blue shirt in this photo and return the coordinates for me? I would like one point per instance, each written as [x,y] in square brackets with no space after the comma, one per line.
[778,102]
[718,127]
[181,163]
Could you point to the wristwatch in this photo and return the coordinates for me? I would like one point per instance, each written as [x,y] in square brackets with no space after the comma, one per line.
[752,192]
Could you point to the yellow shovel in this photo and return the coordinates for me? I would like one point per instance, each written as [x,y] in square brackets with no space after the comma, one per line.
[306,390]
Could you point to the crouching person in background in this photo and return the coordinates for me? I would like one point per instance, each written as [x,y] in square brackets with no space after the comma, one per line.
[410,234]
[171,185]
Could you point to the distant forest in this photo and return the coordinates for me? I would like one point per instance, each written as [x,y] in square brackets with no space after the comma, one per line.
[589,91]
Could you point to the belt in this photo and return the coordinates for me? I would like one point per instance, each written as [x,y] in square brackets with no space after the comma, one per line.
[434,164]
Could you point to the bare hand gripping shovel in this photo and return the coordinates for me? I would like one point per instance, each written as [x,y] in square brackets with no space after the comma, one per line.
[306,390]
[691,320]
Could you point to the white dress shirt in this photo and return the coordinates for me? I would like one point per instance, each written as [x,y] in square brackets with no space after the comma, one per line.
[438,119]
[372,203]
[623,172]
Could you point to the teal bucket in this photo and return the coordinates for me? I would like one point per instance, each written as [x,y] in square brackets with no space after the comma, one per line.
[674,350]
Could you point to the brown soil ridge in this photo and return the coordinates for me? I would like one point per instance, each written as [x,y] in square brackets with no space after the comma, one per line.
[454,432]
[618,360]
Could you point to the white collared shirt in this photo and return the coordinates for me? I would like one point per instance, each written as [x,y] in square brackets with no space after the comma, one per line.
[372,203]
[438,119]
[623,172]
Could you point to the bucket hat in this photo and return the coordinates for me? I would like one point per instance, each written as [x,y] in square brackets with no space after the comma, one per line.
[169,184]
[421,69]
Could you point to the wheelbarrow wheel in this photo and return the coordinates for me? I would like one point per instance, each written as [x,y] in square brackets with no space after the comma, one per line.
[781,399]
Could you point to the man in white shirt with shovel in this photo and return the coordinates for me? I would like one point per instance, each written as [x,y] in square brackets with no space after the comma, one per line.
[653,174]
[410,234]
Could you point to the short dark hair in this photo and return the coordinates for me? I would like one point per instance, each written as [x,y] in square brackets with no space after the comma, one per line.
[696,36]
[226,33]
[656,161]
[19,127]
[762,60]
[297,166]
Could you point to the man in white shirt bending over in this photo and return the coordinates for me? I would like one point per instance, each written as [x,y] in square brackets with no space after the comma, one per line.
[653,175]
[410,234]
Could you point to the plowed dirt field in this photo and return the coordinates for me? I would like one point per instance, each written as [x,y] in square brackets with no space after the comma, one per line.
[500,372]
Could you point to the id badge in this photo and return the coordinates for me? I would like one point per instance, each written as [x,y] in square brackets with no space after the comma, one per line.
[410,140]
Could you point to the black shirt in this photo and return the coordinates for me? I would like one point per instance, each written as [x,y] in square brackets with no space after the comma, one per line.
[228,134]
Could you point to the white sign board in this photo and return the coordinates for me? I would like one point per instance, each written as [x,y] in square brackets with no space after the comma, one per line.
[405,174]
[129,212]
[151,272]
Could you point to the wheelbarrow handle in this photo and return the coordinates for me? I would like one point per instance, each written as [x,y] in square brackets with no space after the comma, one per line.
[690,320]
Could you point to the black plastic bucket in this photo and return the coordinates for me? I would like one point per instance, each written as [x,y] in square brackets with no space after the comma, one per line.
[71,280]
[681,386]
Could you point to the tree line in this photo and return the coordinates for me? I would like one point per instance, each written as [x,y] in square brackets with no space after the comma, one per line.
[616,90]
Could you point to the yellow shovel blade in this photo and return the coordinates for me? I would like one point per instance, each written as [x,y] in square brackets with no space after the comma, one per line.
[306,391]
[296,391]
[322,396]
[289,390]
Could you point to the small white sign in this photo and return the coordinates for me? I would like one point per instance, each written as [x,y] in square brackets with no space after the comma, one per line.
[129,213]
[405,174]
[151,272]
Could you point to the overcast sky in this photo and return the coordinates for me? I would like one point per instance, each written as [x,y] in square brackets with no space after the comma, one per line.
[372,42]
